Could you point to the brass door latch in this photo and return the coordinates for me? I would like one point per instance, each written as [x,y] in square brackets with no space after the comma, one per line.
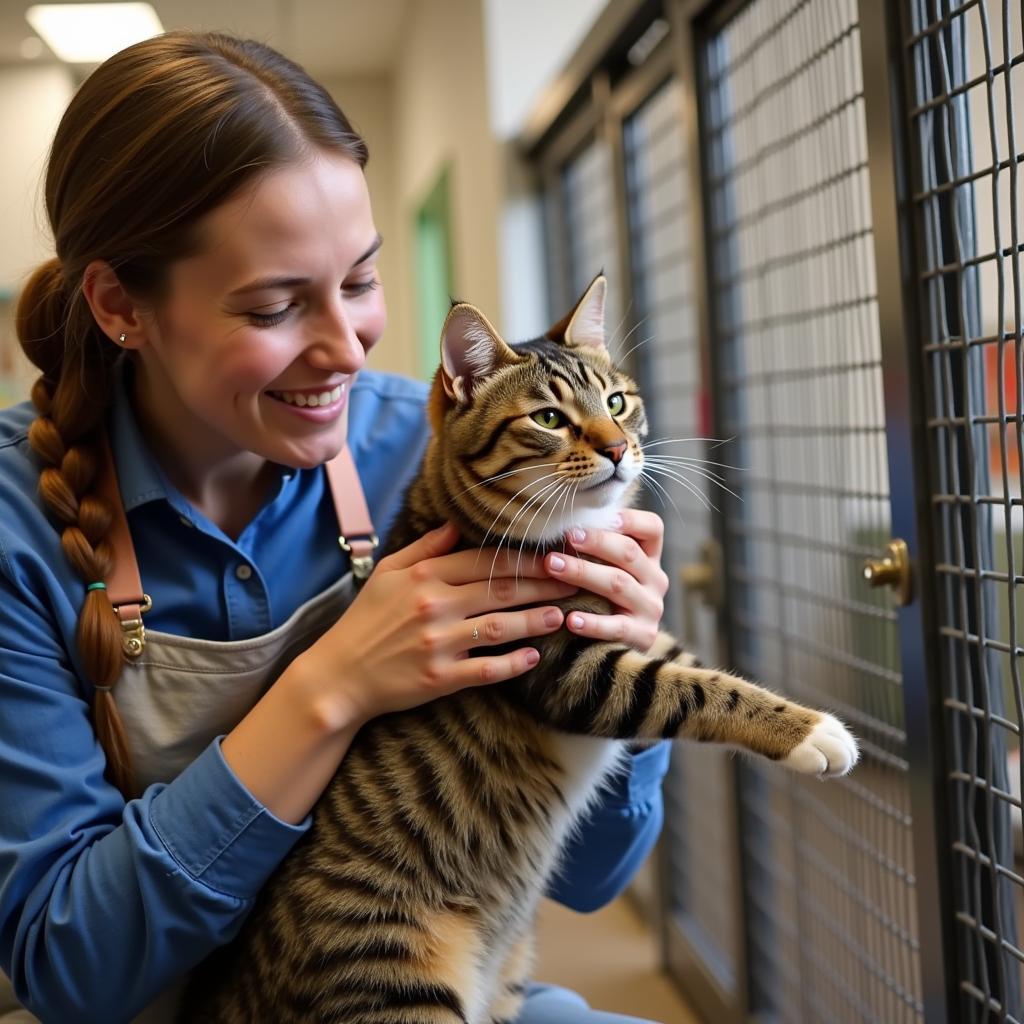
[892,570]
[701,580]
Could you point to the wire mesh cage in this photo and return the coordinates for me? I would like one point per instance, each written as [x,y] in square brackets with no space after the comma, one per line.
[831,921]
[963,64]
[896,894]
[665,346]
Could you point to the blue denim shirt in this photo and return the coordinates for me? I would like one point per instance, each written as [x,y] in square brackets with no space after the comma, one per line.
[87,880]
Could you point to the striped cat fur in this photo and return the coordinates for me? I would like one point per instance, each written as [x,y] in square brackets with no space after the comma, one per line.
[411,899]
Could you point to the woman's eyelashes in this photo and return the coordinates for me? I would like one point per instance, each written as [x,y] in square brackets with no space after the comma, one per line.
[275,318]
[268,319]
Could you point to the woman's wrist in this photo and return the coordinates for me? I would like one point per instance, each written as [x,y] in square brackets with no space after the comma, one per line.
[288,747]
[324,693]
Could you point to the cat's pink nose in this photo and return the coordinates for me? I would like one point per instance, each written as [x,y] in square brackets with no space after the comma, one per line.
[614,451]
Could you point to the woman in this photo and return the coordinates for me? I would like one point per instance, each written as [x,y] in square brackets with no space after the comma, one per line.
[199,334]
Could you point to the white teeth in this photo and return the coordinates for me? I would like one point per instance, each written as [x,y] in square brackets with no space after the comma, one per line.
[303,400]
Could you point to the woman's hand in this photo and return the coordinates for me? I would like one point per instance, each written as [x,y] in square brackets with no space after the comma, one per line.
[629,575]
[406,637]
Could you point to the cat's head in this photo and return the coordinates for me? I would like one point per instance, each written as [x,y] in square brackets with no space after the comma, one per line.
[537,435]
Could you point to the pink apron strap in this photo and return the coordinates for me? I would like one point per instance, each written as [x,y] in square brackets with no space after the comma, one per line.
[355,527]
[124,586]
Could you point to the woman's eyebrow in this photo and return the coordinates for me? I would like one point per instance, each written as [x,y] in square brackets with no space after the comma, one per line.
[377,243]
[289,282]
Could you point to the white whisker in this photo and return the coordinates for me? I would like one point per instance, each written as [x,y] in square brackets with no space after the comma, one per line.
[521,512]
[678,464]
[703,499]
[674,440]
[661,487]
[501,476]
[707,476]
[639,344]
[618,327]
[526,532]
[506,505]
[697,462]
[635,326]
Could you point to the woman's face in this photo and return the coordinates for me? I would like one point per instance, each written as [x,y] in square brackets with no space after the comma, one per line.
[256,344]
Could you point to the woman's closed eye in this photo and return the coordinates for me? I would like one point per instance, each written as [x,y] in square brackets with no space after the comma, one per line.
[362,287]
[268,319]
[278,316]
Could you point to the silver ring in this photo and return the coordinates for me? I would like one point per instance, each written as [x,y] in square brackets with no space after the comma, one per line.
[476,633]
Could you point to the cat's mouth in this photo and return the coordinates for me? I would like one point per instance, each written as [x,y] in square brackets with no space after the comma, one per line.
[615,477]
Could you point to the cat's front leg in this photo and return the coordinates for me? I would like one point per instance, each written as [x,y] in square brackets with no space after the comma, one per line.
[828,743]
[608,689]
[666,646]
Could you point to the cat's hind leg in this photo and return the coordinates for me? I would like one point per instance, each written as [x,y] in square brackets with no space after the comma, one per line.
[436,980]
[511,983]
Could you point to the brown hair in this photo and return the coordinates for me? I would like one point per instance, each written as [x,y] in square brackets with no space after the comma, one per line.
[156,137]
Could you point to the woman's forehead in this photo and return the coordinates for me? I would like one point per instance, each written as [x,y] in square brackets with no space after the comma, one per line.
[316,213]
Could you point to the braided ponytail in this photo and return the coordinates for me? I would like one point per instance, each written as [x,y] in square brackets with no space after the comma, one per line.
[71,397]
[155,138]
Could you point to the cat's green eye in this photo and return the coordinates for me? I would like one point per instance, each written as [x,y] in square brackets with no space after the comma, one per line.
[550,418]
[616,403]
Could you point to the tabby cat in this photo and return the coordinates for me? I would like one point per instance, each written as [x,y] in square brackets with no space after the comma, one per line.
[412,897]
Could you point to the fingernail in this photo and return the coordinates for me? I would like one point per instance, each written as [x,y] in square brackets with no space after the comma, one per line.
[577,535]
[552,617]
[576,621]
[615,522]
[557,563]
[532,657]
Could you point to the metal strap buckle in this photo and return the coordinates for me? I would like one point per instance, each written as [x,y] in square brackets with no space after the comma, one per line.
[133,639]
[362,565]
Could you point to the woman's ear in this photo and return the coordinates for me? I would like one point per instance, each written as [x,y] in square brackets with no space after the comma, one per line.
[112,307]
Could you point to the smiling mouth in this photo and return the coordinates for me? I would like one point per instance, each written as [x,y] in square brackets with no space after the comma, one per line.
[309,400]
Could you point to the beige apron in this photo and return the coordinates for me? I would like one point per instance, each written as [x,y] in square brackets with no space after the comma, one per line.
[178,693]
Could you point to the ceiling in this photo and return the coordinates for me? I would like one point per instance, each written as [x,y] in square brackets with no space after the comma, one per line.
[330,38]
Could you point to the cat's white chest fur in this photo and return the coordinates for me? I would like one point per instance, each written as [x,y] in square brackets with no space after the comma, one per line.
[586,760]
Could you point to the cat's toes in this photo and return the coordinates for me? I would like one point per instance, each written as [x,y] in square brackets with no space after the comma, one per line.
[828,750]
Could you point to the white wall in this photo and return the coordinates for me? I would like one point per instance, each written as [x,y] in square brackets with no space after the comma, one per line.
[31,103]
[368,102]
[442,117]
[32,100]
[528,44]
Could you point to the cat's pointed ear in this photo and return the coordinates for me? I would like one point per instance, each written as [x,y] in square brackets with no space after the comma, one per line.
[471,350]
[584,326]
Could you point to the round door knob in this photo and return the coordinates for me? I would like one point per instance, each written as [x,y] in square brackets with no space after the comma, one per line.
[892,570]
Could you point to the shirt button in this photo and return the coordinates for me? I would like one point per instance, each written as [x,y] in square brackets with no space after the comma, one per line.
[243,572]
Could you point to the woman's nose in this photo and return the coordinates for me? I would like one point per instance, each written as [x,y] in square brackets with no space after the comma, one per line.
[336,344]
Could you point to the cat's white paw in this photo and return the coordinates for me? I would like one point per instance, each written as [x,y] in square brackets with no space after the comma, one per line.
[828,750]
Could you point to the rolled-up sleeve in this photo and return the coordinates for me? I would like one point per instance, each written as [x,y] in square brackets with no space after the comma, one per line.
[618,834]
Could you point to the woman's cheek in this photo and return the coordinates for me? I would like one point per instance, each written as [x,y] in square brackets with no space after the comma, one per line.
[376,321]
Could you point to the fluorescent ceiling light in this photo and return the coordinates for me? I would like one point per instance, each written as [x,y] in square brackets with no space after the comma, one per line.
[90,33]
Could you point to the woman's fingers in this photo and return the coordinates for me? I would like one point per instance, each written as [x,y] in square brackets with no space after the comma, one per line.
[489,563]
[504,627]
[430,545]
[506,592]
[494,668]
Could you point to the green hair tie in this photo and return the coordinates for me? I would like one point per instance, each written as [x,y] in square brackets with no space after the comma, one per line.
[96,586]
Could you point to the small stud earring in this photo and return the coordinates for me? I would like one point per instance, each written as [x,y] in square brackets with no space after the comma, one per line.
[122,338]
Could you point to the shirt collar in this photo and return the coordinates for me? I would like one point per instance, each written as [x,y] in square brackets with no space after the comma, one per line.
[138,476]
